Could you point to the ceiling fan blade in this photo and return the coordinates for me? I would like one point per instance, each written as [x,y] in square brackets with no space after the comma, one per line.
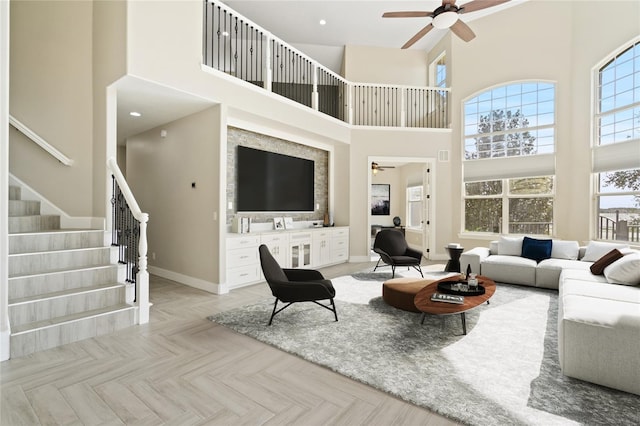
[418,36]
[475,5]
[408,14]
[463,31]
[451,2]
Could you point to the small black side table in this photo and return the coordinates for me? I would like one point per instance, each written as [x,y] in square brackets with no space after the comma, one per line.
[453,265]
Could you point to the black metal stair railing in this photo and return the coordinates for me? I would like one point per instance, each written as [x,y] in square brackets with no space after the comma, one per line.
[238,47]
[125,233]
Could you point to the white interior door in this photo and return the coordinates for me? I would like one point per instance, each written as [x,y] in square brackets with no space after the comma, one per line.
[426,210]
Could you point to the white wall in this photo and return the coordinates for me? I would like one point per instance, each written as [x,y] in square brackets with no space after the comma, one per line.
[368,143]
[184,222]
[366,64]
[554,41]
[51,93]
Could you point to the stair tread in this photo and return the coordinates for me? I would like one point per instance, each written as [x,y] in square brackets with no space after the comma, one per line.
[59,231]
[68,318]
[62,270]
[62,293]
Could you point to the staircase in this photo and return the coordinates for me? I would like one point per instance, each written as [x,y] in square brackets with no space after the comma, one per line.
[63,284]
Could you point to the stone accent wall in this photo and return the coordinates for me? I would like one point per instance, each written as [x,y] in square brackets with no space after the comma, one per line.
[239,137]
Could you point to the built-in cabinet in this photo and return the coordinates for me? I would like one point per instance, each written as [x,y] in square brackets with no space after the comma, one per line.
[312,248]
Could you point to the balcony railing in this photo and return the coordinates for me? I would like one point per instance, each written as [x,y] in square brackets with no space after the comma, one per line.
[621,230]
[236,46]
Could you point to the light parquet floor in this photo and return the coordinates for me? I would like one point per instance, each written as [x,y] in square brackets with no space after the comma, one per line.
[181,369]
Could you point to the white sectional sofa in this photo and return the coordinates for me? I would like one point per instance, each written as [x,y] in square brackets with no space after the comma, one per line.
[598,314]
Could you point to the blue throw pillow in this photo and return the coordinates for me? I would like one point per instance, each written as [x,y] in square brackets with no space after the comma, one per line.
[536,249]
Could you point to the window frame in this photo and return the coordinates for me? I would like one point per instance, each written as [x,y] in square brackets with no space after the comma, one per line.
[614,155]
[507,167]
[505,196]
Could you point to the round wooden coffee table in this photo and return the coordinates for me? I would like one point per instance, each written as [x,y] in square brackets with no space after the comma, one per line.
[424,303]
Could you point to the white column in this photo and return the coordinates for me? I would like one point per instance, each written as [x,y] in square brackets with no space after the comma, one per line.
[266,69]
[5,327]
[142,278]
[314,94]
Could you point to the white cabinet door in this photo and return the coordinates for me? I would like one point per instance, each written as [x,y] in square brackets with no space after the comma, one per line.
[278,245]
[300,249]
[321,247]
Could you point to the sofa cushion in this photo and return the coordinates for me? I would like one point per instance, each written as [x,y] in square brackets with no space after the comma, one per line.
[536,249]
[549,270]
[509,269]
[510,246]
[561,249]
[597,249]
[598,266]
[625,270]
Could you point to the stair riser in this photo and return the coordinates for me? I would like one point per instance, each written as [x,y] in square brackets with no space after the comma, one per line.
[14,192]
[24,208]
[29,243]
[33,223]
[30,286]
[47,309]
[47,338]
[34,263]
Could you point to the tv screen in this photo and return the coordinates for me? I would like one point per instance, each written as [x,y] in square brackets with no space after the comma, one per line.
[271,182]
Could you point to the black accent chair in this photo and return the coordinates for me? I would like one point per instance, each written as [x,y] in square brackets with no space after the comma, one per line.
[295,285]
[394,251]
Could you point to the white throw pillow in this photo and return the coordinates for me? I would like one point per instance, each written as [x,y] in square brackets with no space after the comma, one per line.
[596,249]
[564,249]
[510,246]
[624,271]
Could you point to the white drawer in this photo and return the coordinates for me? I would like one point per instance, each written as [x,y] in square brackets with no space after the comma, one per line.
[242,257]
[274,239]
[243,275]
[341,232]
[341,255]
[241,242]
[300,236]
[340,244]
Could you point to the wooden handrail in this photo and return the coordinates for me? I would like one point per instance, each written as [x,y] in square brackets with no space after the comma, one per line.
[22,128]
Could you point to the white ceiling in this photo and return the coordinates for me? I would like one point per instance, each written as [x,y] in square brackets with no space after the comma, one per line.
[357,22]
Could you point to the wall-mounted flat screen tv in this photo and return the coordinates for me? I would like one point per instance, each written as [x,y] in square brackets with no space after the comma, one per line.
[272,182]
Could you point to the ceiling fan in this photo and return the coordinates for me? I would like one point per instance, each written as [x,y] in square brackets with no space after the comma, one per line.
[375,167]
[446,16]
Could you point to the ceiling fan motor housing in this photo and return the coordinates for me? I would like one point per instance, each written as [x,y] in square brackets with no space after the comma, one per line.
[445,16]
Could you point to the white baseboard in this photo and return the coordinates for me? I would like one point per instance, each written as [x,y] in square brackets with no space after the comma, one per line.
[48,208]
[190,281]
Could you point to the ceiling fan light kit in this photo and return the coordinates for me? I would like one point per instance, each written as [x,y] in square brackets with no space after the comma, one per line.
[445,19]
[446,16]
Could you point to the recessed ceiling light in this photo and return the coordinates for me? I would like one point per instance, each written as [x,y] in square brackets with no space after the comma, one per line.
[323,22]
[135,114]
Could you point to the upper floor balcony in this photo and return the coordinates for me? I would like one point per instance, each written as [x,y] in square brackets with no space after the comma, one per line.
[238,47]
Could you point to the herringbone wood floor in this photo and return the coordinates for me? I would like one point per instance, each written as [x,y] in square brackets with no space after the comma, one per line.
[182,369]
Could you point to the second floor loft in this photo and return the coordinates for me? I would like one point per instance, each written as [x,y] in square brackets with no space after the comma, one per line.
[240,48]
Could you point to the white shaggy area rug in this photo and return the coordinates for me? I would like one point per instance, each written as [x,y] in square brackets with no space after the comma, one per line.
[504,371]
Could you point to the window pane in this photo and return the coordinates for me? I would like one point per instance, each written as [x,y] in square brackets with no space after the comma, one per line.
[414,193]
[490,187]
[415,214]
[483,215]
[531,186]
[619,217]
[619,181]
[531,216]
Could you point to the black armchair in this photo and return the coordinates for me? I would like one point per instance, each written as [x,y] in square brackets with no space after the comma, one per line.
[295,285]
[394,251]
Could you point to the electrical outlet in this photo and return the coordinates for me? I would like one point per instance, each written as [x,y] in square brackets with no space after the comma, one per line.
[153,256]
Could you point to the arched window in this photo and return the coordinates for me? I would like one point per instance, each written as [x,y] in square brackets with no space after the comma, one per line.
[509,159]
[616,156]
